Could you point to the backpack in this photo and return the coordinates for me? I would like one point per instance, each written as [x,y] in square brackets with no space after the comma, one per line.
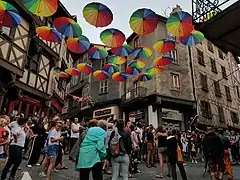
[116,145]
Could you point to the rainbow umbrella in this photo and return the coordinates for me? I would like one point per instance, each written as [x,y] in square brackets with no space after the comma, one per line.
[43,8]
[144,77]
[73,72]
[9,15]
[49,34]
[78,45]
[180,24]
[111,68]
[117,59]
[119,76]
[101,75]
[139,64]
[61,75]
[97,53]
[112,37]
[84,67]
[164,45]
[195,37]
[67,27]
[143,21]
[154,70]
[97,14]
[124,50]
[133,71]
[142,52]
[163,61]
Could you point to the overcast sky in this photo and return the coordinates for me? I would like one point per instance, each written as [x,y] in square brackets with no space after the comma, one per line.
[122,10]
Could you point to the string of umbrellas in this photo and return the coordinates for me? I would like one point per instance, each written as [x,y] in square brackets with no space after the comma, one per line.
[143,22]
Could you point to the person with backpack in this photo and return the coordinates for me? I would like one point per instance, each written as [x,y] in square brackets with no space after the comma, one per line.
[120,147]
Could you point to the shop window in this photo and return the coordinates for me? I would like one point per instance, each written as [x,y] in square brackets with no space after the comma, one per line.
[200,57]
[206,109]
[234,117]
[224,73]
[228,93]
[175,81]
[103,89]
[213,65]
[173,54]
[204,82]
[217,89]
[210,46]
[221,114]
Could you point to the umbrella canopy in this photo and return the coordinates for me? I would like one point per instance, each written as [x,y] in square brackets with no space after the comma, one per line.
[9,15]
[119,76]
[133,71]
[163,61]
[43,8]
[195,37]
[111,68]
[124,50]
[117,59]
[84,67]
[101,75]
[180,24]
[97,14]
[142,52]
[154,70]
[67,27]
[78,45]
[112,37]
[143,21]
[139,64]
[61,75]
[164,46]
[97,53]
[49,34]
[73,72]
[144,77]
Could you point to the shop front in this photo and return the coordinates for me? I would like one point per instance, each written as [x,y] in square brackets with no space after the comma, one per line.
[106,113]
[172,119]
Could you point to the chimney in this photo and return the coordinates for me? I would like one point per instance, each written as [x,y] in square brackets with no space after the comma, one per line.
[176,9]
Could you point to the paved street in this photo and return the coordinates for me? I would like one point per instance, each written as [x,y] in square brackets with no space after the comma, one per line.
[194,172]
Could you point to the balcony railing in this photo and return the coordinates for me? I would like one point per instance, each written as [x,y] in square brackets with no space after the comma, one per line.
[138,92]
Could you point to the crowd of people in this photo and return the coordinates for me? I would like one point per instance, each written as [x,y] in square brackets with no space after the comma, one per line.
[97,145]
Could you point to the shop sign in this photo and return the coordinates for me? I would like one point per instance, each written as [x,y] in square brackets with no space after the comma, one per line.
[172,114]
[102,112]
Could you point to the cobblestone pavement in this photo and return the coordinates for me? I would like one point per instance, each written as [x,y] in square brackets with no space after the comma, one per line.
[194,172]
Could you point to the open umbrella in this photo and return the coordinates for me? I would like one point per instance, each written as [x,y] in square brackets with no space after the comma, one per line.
[49,34]
[139,64]
[111,68]
[124,50]
[78,45]
[117,59]
[112,37]
[97,53]
[195,37]
[101,75]
[61,75]
[163,61]
[67,27]
[144,77]
[154,70]
[97,14]
[133,71]
[180,24]
[84,67]
[119,76]
[73,72]
[143,21]
[9,15]
[142,52]
[44,8]
[164,46]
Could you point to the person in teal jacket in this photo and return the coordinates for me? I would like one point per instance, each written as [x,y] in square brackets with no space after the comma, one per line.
[92,152]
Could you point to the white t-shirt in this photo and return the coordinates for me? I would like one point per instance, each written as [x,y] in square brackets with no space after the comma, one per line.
[21,136]
[76,127]
[53,134]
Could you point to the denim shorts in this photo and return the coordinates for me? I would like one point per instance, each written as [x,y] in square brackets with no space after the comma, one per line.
[52,150]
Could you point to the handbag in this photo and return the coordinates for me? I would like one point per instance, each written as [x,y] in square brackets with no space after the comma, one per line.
[179,155]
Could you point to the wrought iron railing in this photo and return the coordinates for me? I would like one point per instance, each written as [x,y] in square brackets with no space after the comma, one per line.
[138,92]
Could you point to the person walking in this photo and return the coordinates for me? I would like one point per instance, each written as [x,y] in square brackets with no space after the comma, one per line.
[74,134]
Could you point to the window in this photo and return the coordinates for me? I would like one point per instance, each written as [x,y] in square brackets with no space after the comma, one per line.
[213,65]
[175,81]
[224,73]
[82,76]
[103,62]
[206,109]
[234,117]
[221,114]
[228,93]
[171,37]
[5,30]
[217,89]
[220,53]
[103,89]
[204,83]
[210,46]
[173,54]
[136,42]
[200,57]
[238,93]
[85,58]
[85,92]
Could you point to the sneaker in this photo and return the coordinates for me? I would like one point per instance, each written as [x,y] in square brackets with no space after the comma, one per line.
[193,161]
[196,161]
[37,164]
[29,166]
[42,174]
[55,170]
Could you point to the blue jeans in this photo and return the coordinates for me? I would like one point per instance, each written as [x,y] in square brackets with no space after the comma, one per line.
[120,164]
